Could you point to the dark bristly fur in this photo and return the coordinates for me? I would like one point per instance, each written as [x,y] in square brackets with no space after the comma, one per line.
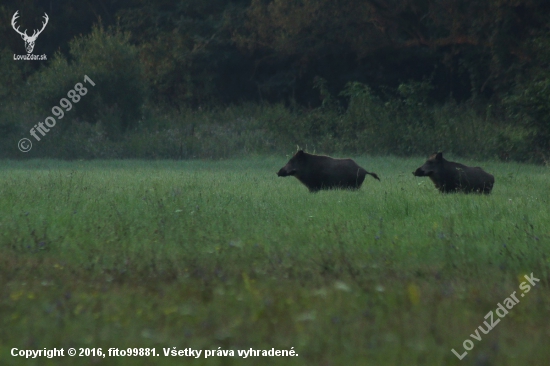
[449,176]
[318,172]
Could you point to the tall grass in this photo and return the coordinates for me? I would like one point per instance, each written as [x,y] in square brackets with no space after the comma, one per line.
[209,254]
[367,126]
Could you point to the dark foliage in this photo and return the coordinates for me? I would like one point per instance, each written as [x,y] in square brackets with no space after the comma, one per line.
[490,57]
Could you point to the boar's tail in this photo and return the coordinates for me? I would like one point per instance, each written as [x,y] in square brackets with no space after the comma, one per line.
[374,175]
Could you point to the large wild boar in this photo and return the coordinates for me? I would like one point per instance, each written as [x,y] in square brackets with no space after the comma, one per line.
[318,172]
[449,176]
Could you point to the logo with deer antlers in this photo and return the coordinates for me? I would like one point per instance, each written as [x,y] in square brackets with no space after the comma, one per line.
[29,40]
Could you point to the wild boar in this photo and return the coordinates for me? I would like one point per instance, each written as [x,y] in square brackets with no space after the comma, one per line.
[318,172]
[449,176]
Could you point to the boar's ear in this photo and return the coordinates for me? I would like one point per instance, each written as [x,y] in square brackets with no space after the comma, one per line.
[299,153]
[439,156]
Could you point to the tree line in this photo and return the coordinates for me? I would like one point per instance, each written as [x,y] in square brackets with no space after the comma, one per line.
[193,53]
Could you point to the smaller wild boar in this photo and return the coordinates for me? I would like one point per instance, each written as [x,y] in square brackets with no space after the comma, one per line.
[318,172]
[449,176]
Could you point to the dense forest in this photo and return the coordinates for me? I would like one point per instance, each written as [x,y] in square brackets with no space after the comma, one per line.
[190,78]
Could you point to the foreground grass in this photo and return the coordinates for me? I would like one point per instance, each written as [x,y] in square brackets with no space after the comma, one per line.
[224,254]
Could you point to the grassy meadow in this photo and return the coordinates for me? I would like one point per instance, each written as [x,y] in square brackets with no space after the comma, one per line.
[226,255]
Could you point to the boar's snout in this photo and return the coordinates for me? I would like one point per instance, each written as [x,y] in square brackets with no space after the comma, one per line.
[419,172]
[284,172]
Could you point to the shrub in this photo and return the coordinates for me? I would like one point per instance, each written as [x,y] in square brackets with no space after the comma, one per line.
[528,103]
[530,106]
[11,77]
[112,63]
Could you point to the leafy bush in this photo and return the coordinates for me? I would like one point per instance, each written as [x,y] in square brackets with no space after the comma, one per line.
[528,103]
[108,59]
[530,106]
[11,77]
